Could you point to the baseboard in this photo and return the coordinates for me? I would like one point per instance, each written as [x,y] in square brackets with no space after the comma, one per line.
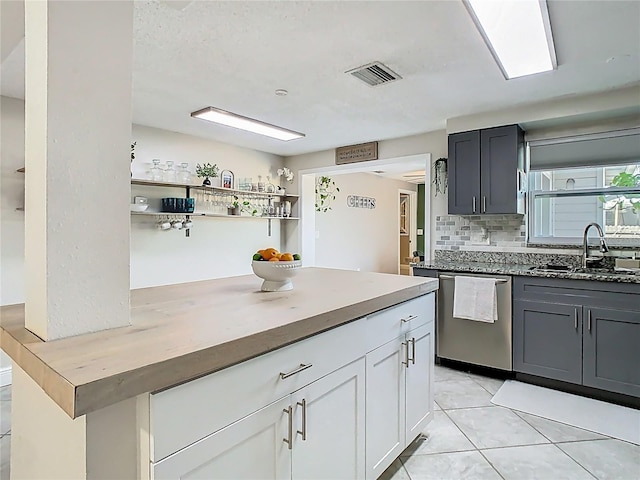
[5,376]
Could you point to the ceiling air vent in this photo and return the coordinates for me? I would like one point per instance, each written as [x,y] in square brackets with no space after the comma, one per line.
[375,74]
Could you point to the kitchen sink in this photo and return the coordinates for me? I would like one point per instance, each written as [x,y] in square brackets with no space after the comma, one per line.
[553,268]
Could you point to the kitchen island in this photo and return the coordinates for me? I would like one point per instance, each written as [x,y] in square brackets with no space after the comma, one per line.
[184,332]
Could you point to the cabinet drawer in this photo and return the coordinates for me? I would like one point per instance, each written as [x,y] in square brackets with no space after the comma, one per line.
[189,412]
[390,323]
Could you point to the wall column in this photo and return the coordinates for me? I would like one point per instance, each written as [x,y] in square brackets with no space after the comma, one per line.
[77,136]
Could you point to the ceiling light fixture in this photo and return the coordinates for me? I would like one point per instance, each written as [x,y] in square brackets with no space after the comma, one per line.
[518,34]
[234,120]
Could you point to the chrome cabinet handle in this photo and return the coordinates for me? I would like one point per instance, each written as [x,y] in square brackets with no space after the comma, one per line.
[406,354]
[409,318]
[474,204]
[484,204]
[413,350]
[303,432]
[589,319]
[289,412]
[293,372]
[575,319]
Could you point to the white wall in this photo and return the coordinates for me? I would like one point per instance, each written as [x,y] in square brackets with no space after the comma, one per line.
[217,247]
[360,238]
[11,221]
[434,143]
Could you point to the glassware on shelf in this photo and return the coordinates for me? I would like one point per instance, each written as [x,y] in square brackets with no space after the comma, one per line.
[286,209]
[260,184]
[157,174]
[170,172]
[269,187]
[184,175]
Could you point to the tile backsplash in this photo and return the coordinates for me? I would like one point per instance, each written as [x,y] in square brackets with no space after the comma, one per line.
[487,233]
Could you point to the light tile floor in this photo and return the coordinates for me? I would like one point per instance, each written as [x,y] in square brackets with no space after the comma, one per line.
[470,438]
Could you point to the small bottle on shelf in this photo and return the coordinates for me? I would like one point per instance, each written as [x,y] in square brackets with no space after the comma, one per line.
[157,174]
[184,175]
[170,172]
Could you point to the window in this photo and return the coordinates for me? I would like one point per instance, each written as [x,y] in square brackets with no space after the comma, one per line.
[563,201]
[577,180]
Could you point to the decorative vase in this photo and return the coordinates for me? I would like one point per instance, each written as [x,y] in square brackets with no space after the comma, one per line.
[233,210]
[206,182]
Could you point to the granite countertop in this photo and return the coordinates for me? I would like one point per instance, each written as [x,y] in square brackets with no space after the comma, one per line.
[526,270]
[181,332]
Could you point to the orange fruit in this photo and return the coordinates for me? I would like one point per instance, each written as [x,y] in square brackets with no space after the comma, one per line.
[274,259]
[286,257]
[269,253]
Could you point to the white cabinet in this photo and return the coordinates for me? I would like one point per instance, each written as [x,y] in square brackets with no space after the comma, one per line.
[419,381]
[329,426]
[400,396]
[250,449]
[339,405]
[385,411]
[291,438]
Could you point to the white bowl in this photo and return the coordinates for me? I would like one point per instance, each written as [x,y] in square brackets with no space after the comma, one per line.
[276,275]
[138,207]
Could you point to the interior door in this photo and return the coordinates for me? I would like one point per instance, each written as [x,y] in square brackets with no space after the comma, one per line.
[329,415]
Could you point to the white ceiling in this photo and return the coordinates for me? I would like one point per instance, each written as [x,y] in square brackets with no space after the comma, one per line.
[234,55]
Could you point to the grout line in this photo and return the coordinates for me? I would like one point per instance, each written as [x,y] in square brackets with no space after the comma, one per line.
[532,426]
[404,468]
[491,464]
[582,466]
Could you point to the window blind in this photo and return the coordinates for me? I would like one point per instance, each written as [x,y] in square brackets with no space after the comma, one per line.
[607,148]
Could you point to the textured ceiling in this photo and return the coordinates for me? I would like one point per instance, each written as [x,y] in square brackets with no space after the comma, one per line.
[234,55]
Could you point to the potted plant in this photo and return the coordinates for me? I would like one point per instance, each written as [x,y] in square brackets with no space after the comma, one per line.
[288,175]
[207,170]
[234,208]
[325,193]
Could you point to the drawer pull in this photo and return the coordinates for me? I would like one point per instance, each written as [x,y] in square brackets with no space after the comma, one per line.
[303,432]
[474,204]
[589,319]
[288,440]
[413,350]
[451,277]
[409,318]
[575,319]
[484,204]
[293,372]
[406,354]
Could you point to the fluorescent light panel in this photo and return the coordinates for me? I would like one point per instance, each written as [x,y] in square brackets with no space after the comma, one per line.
[518,34]
[229,119]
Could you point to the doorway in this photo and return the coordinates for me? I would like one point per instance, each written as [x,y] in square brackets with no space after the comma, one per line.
[407,216]
[304,236]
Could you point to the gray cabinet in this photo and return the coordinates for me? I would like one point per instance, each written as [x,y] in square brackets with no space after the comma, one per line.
[485,171]
[578,331]
[548,340]
[611,350]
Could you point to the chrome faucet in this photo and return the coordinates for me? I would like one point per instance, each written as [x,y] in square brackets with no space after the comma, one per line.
[585,246]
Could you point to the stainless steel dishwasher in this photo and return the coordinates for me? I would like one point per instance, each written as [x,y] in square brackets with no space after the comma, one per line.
[479,343]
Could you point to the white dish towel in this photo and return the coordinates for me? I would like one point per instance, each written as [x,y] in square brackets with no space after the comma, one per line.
[475,298]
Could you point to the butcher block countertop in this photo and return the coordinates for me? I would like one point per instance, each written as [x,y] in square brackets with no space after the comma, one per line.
[181,332]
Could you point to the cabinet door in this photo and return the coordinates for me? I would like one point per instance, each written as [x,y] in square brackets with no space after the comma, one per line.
[500,149]
[464,173]
[329,426]
[547,340]
[612,350]
[250,449]
[419,381]
[385,385]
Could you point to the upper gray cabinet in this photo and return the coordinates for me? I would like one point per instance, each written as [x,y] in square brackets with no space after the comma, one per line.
[486,171]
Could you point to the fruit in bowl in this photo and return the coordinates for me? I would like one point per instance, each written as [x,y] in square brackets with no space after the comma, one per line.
[276,269]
